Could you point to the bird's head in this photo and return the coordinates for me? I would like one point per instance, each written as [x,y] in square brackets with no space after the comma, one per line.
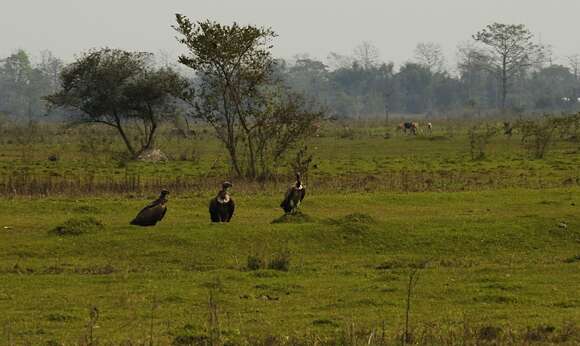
[226,185]
[164,193]
[298,180]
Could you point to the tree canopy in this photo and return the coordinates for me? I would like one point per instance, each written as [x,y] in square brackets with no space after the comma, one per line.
[118,88]
[253,114]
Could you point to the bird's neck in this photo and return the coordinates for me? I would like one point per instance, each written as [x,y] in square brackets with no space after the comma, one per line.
[223,196]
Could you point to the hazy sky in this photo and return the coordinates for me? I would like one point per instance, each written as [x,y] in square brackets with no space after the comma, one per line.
[318,27]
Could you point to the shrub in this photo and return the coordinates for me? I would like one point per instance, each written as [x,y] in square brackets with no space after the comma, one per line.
[78,226]
[538,135]
[479,138]
[280,261]
[255,262]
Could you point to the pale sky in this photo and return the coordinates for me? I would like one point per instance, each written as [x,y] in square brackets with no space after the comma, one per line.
[317,27]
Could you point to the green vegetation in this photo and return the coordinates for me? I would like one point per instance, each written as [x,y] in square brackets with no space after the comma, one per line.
[493,258]
[90,160]
[494,242]
[78,226]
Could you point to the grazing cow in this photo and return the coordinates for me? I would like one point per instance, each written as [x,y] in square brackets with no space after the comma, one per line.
[293,196]
[222,206]
[408,127]
[414,128]
[153,213]
[401,128]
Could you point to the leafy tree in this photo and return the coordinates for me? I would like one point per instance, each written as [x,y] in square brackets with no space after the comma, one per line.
[415,83]
[16,88]
[510,49]
[117,88]
[309,76]
[552,88]
[239,97]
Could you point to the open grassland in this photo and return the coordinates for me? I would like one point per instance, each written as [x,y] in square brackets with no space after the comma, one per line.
[494,265]
[353,156]
[494,242]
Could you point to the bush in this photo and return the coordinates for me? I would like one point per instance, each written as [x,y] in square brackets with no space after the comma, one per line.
[255,262]
[479,138]
[538,135]
[78,226]
[280,261]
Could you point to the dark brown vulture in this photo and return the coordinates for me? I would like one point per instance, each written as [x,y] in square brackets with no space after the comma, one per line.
[222,206]
[294,196]
[152,213]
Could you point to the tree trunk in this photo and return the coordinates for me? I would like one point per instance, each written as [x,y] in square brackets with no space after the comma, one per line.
[234,158]
[504,82]
[119,128]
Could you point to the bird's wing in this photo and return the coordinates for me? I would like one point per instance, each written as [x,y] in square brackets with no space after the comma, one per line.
[151,205]
[302,193]
[163,213]
[231,208]
[286,198]
[143,216]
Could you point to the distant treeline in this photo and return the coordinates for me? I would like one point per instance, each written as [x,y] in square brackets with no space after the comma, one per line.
[361,85]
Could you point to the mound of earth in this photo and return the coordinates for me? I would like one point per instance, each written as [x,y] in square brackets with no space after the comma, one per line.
[153,155]
[355,223]
[78,226]
[357,218]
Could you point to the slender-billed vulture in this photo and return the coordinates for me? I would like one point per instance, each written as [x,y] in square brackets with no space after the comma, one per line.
[222,206]
[152,213]
[293,196]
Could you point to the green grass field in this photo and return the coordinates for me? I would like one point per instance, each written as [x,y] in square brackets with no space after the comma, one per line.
[495,244]
[490,259]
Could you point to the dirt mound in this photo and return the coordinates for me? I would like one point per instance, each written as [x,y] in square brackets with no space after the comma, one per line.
[356,223]
[297,217]
[153,155]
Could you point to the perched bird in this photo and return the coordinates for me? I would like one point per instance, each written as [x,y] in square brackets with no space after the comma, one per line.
[222,206]
[294,196]
[152,213]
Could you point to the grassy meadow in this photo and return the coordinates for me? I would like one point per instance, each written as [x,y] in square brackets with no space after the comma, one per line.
[493,243]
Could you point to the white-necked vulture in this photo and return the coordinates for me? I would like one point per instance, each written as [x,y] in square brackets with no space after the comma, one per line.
[153,213]
[293,196]
[222,206]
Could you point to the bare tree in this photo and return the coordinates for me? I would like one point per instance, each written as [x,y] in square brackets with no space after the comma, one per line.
[574,66]
[51,67]
[367,55]
[430,55]
[336,61]
[511,50]
[473,65]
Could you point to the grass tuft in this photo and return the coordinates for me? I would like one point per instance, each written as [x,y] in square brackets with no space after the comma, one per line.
[356,223]
[358,218]
[78,226]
